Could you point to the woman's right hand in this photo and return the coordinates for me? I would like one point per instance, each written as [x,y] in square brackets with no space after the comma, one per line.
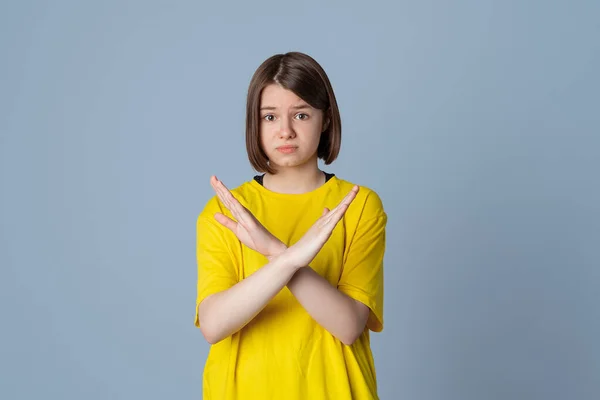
[247,228]
[306,249]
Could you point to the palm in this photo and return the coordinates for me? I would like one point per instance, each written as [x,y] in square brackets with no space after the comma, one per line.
[254,235]
[307,248]
[246,227]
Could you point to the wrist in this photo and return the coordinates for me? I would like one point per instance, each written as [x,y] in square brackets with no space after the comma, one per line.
[289,259]
[277,251]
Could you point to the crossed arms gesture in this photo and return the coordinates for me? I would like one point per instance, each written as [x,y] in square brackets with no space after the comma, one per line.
[226,312]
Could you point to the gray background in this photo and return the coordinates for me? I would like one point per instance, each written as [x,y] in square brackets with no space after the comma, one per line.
[476,121]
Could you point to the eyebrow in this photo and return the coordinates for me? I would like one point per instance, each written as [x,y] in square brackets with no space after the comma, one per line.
[297,107]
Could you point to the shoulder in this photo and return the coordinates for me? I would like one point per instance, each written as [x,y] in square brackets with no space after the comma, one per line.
[367,204]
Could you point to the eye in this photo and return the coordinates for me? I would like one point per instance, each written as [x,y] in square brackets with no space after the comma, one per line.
[269,117]
[302,116]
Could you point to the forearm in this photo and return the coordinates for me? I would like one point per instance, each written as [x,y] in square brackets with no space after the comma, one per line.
[224,313]
[340,315]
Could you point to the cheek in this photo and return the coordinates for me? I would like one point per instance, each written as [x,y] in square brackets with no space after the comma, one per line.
[317,138]
[264,141]
[266,132]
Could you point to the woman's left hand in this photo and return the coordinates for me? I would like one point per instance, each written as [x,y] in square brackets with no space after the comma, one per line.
[247,228]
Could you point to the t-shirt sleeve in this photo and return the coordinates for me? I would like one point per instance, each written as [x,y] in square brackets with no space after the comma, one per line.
[362,274]
[216,268]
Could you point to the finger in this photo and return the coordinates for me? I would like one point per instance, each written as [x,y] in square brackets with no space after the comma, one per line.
[332,219]
[213,183]
[328,214]
[227,195]
[217,188]
[240,212]
[348,198]
[227,198]
[234,205]
[341,208]
[221,191]
[226,221]
[338,214]
[347,201]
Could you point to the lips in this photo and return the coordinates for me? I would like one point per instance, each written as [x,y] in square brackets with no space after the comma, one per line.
[287,149]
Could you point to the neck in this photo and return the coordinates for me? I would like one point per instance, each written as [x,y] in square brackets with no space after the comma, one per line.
[296,180]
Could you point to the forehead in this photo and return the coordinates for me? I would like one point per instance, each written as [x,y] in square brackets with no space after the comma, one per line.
[275,95]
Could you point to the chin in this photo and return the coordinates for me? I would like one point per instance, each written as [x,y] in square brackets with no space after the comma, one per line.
[289,161]
[287,164]
[291,164]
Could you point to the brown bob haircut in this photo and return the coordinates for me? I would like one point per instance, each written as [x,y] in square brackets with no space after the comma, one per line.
[302,75]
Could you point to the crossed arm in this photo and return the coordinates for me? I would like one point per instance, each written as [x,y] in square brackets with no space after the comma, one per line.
[341,315]
[226,312]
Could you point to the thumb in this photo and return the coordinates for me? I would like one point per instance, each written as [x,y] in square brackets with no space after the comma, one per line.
[225,221]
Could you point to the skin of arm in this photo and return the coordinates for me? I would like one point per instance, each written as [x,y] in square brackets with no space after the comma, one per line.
[224,313]
[341,315]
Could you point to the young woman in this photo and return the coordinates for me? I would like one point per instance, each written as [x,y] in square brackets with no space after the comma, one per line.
[290,263]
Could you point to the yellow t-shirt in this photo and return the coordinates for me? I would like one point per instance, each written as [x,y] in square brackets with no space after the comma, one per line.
[283,353]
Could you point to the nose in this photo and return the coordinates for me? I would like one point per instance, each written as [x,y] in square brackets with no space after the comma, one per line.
[286,131]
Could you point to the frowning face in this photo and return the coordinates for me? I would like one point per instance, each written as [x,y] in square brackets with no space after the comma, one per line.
[290,129]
